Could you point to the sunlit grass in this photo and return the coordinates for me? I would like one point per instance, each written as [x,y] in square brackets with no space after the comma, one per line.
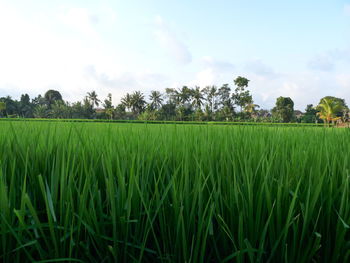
[97,192]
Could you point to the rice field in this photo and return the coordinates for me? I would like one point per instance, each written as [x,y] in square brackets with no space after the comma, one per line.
[99,192]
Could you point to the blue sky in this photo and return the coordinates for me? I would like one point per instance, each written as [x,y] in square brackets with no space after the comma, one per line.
[297,48]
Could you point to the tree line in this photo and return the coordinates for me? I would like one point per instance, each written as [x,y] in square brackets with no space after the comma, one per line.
[210,103]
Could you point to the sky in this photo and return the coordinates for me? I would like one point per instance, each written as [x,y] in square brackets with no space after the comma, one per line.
[299,49]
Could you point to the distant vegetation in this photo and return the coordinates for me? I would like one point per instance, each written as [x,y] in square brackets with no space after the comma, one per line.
[210,103]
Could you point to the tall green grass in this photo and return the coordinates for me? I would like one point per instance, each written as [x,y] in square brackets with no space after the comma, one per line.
[96,192]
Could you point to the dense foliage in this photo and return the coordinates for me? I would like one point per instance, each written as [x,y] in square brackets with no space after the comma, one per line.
[185,104]
[97,192]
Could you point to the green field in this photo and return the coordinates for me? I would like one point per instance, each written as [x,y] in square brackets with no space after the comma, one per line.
[114,192]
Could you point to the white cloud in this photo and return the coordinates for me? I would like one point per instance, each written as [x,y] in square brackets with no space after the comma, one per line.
[204,78]
[171,42]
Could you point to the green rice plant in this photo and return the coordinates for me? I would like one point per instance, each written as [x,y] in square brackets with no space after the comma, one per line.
[123,192]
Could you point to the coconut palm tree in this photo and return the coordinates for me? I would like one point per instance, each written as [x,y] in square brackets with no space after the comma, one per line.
[184,95]
[197,97]
[127,101]
[328,109]
[138,102]
[92,97]
[156,99]
[251,108]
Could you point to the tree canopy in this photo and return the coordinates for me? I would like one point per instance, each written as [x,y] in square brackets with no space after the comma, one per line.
[284,109]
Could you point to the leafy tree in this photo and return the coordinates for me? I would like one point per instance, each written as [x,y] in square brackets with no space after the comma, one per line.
[180,113]
[51,96]
[11,106]
[310,115]
[59,110]
[199,115]
[284,109]
[148,115]
[251,110]
[156,100]
[241,96]
[225,114]
[224,96]
[88,109]
[25,106]
[328,109]
[207,114]
[93,98]
[210,95]
[39,100]
[119,112]
[167,111]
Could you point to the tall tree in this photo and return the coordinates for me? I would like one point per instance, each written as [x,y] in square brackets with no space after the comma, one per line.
[156,100]
[173,96]
[88,109]
[11,106]
[108,106]
[108,102]
[138,102]
[241,96]
[309,115]
[184,95]
[197,98]
[224,96]
[284,109]
[210,95]
[51,96]
[93,98]
[127,101]
[25,106]
[119,112]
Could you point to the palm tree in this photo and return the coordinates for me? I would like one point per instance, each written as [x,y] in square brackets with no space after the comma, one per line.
[211,93]
[41,111]
[197,98]
[184,95]
[138,102]
[251,107]
[328,109]
[127,101]
[173,96]
[92,97]
[156,99]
